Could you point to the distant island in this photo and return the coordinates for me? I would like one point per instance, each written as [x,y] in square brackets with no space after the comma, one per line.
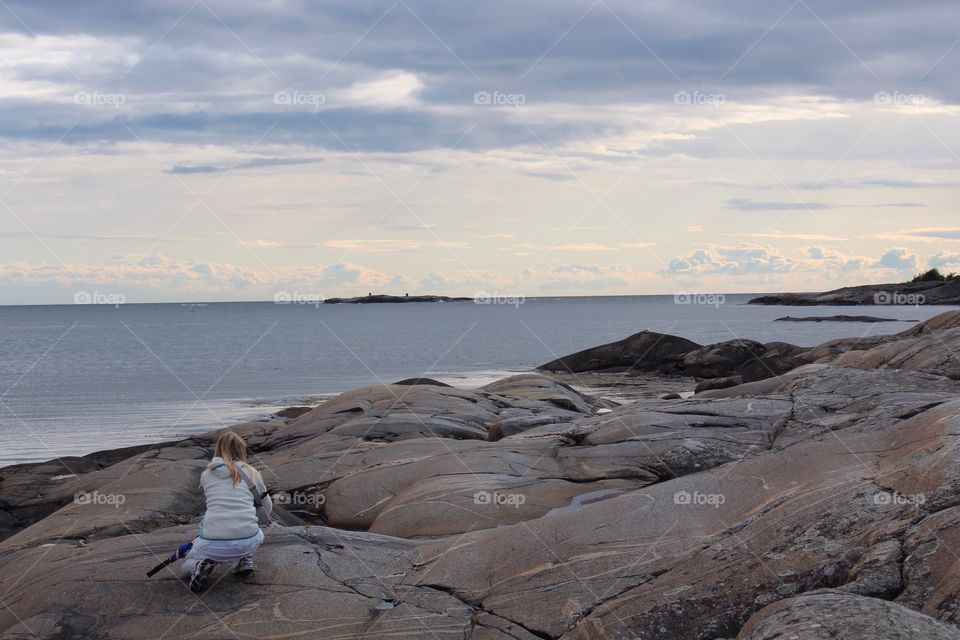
[384,298]
[840,319]
[931,287]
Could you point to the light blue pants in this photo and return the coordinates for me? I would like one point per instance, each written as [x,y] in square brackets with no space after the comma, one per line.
[220,551]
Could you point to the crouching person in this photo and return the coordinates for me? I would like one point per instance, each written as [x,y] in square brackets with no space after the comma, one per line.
[230,529]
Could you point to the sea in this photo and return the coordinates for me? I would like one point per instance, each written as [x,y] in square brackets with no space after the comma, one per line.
[81,378]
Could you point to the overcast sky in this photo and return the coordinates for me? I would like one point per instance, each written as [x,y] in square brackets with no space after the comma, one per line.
[228,150]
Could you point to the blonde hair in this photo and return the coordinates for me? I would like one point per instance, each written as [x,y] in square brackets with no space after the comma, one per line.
[232,449]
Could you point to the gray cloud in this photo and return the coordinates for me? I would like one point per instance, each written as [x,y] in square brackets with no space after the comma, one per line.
[256,163]
[745,204]
[201,81]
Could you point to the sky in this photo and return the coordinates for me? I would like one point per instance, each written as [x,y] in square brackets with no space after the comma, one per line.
[212,150]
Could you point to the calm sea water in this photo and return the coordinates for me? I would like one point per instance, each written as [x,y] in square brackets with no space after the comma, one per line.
[76,379]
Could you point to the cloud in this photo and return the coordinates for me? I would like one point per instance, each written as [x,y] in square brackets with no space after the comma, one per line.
[256,163]
[766,260]
[899,259]
[379,245]
[575,247]
[458,283]
[95,103]
[161,275]
[408,81]
[344,273]
[150,272]
[945,233]
[746,259]
[945,259]
[745,204]
[781,235]
[583,247]
[393,90]
[581,276]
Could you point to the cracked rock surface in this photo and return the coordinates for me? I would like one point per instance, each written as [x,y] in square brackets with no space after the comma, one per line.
[823,502]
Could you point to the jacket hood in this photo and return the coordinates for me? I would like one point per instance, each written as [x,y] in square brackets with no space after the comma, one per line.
[219,468]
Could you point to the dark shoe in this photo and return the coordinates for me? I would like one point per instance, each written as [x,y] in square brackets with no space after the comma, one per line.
[201,575]
[244,567]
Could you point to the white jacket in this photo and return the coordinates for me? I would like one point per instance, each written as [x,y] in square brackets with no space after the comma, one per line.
[230,514]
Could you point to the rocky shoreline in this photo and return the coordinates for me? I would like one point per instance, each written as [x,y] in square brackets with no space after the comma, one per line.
[904,294]
[817,498]
[867,319]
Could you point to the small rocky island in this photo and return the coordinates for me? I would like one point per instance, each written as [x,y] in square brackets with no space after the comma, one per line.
[371,298]
[817,499]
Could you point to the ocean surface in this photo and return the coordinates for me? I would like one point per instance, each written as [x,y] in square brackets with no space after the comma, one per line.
[80,378]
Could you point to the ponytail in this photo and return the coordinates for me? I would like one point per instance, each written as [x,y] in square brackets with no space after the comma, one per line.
[232,449]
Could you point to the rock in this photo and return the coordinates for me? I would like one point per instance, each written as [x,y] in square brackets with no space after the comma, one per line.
[719,383]
[932,353]
[519,424]
[669,355]
[840,319]
[310,582]
[384,298]
[807,498]
[911,293]
[644,351]
[671,396]
[830,615]
[292,412]
[877,572]
[428,381]
[722,359]
[125,498]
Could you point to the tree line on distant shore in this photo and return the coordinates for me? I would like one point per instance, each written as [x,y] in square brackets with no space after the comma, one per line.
[934,275]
